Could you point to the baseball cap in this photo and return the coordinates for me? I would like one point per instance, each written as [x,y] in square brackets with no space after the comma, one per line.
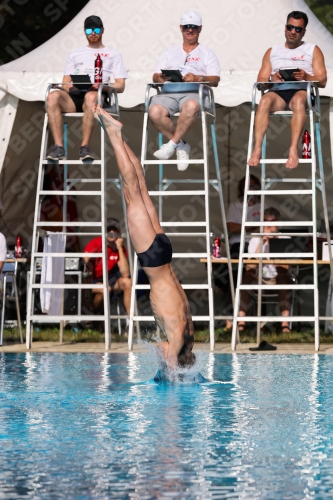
[93,22]
[112,222]
[191,17]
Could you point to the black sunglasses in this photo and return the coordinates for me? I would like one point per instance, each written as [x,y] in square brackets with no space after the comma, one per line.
[291,27]
[190,26]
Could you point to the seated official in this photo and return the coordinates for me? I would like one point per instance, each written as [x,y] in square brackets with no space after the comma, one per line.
[71,99]
[308,60]
[234,226]
[118,267]
[196,64]
[271,274]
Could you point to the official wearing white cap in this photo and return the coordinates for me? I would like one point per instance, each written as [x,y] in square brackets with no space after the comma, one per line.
[196,63]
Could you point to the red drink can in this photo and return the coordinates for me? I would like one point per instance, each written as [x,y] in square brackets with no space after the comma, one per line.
[18,247]
[306,145]
[217,248]
[98,69]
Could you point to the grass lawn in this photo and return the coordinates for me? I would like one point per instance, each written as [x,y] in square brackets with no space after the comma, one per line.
[221,335]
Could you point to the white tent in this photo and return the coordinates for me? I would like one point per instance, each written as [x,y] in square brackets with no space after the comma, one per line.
[238,31]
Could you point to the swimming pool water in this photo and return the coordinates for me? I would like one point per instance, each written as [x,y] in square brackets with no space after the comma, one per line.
[96,426]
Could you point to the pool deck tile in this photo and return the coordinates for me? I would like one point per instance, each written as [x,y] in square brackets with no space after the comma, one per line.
[122,348]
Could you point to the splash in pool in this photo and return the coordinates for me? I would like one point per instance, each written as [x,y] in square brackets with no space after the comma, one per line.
[180,374]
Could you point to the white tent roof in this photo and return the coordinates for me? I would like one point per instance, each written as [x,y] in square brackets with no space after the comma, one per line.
[239,32]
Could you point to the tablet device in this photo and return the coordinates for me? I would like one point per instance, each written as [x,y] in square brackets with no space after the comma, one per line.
[83,81]
[287,74]
[174,74]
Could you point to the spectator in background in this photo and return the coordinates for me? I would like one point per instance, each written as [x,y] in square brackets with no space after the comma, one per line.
[234,225]
[71,99]
[271,274]
[196,64]
[118,267]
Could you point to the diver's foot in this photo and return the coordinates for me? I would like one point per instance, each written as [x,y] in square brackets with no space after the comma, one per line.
[254,159]
[293,159]
[106,120]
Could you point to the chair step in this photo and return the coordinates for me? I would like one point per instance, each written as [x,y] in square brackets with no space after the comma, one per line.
[185,287]
[285,233]
[151,318]
[284,255]
[79,181]
[63,254]
[181,224]
[71,162]
[280,223]
[281,160]
[65,286]
[289,286]
[70,193]
[69,224]
[45,318]
[182,235]
[172,162]
[285,192]
[177,193]
[188,255]
[287,179]
[248,319]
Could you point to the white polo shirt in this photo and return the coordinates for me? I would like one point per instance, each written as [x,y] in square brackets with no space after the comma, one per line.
[81,61]
[201,61]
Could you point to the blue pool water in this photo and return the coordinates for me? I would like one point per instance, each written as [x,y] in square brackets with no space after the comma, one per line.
[96,426]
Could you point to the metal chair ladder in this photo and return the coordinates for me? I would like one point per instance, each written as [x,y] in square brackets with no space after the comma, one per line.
[164,184]
[315,181]
[81,228]
[9,272]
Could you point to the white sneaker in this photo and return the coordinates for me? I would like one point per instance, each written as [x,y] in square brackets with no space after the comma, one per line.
[183,153]
[165,152]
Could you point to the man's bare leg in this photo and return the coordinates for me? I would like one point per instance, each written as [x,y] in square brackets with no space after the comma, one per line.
[187,118]
[298,106]
[144,191]
[268,103]
[245,297]
[140,226]
[88,120]
[159,115]
[97,298]
[125,285]
[284,297]
[58,102]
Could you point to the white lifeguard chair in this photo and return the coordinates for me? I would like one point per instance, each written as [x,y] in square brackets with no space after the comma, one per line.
[315,180]
[191,228]
[81,228]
